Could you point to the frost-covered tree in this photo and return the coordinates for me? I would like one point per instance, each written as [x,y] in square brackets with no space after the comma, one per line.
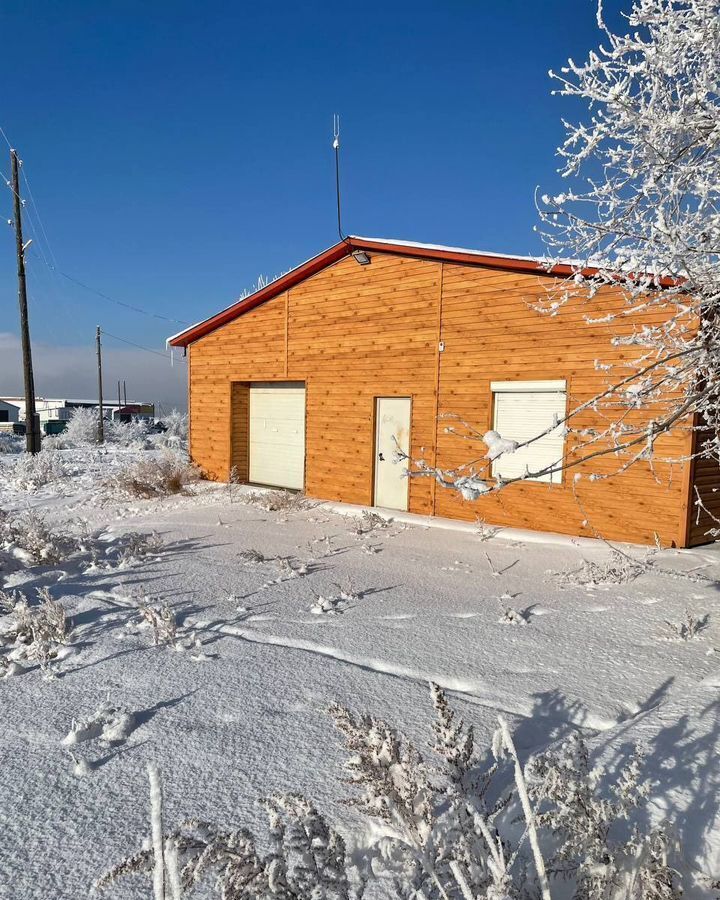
[642,212]
[641,215]
[82,428]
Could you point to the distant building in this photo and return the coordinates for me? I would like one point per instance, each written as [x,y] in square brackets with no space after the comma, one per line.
[61,410]
[9,412]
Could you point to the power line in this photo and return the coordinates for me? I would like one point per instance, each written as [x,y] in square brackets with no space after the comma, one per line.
[129,306]
[37,213]
[139,346]
[50,260]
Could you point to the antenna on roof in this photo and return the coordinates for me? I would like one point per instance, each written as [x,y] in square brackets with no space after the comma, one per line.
[336,148]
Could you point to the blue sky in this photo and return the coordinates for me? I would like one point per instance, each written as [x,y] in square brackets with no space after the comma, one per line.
[178,150]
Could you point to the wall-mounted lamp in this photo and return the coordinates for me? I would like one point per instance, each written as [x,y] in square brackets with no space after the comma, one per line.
[361,257]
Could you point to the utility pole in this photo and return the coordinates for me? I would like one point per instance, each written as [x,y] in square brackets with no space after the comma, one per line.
[32,430]
[101,429]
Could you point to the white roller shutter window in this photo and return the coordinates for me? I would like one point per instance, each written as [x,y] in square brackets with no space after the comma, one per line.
[522,411]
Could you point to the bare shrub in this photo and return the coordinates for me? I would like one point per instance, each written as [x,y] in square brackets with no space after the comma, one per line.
[367,522]
[252,557]
[153,478]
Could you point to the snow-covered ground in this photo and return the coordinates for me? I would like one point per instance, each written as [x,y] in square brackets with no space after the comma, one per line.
[282,613]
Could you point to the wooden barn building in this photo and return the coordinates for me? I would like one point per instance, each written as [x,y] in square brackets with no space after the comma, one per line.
[307,382]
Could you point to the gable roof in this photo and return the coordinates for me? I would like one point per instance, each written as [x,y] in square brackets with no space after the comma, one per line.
[528,264]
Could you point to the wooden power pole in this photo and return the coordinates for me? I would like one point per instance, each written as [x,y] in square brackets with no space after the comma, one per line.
[32,430]
[101,424]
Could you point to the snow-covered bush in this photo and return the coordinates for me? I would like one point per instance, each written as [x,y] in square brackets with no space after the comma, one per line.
[512,616]
[443,828]
[175,435]
[27,536]
[11,443]
[147,478]
[136,546]
[34,631]
[81,429]
[108,724]
[33,471]
[127,434]
[52,442]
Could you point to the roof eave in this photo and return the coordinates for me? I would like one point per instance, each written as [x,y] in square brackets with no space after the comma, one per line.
[284,283]
[525,265]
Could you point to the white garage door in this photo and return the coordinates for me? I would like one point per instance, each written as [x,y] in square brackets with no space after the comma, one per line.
[277,434]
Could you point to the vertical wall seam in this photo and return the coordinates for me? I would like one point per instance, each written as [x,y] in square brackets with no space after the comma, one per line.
[287,317]
[436,408]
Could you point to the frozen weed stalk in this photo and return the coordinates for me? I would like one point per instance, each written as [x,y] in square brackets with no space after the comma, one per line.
[162,621]
[444,828]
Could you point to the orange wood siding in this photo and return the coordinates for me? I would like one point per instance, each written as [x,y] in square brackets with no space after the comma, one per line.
[239,437]
[353,333]
[491,332]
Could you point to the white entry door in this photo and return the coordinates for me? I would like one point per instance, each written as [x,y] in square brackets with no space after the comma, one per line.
[392,430]
[277,434]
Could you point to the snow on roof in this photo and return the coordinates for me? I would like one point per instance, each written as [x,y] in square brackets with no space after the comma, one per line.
[419,245]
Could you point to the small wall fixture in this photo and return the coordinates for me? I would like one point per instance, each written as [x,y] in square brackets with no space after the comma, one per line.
[361,257]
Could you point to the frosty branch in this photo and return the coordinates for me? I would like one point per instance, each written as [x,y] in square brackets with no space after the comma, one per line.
[641,222]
